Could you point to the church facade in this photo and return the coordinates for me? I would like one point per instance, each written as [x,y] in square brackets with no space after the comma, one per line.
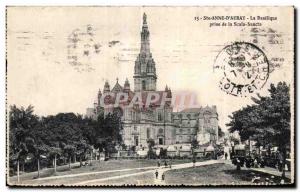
[155,121]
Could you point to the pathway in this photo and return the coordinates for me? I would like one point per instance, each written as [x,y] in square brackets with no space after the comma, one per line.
[160,170]
[93,173]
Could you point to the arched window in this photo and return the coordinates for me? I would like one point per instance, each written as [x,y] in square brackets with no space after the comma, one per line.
[188,116]
[159,117]
[143,85]
[180,118]
[148,133]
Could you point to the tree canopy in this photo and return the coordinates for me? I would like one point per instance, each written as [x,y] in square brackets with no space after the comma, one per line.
[64,134]
[267,121]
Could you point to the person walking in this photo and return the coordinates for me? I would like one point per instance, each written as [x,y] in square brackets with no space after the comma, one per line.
[226,155]
[158,164]
[238,164]
[163,177]
[156,174]
[166,164]
[194,162]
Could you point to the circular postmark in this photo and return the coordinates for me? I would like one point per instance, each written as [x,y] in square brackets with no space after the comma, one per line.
[244,69]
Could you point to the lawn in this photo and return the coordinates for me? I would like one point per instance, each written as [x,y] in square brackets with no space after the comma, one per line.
[217,174]
[74,180]
[96,166]
[145,179]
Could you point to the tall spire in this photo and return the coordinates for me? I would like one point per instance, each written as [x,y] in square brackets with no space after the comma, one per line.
[144,69]
[145,44]
[145,19]
[106,87]
[126,85]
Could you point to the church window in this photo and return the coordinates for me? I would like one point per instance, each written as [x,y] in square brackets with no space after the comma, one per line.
[148,133]
[159,116]
[180,117]
[143,85]
[188,116]
[136,140]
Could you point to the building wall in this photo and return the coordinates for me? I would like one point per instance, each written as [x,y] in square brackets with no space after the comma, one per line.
[150,83]
[144,131]
[91,113]
[179,127]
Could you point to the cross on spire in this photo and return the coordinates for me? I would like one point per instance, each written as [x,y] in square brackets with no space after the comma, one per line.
[144,18]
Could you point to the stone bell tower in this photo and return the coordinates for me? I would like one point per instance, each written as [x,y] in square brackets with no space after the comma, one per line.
[144,69]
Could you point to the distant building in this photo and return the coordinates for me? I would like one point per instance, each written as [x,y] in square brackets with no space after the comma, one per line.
[155,122]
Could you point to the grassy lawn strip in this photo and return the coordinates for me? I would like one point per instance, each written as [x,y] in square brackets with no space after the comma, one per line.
[145,179]
[217,174]
[96,166]
[71,180]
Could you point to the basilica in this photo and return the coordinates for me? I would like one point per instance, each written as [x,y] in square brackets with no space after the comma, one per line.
[156,121]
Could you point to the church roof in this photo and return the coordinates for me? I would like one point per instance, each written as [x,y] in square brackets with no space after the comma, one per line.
[209,109]
[200,110]
[192,110]
[117,88]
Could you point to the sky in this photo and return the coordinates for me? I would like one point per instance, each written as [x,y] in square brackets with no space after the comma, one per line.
[42,70]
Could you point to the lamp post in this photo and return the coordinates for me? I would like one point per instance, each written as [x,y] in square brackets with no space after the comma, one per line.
[164,126]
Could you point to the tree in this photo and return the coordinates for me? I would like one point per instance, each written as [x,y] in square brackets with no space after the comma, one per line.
[108,131]
[220,132]
[151,153]
[268,120]
[40,152]
[21,123]
[54,152]
[81,149]
[60,135]
[69,151]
